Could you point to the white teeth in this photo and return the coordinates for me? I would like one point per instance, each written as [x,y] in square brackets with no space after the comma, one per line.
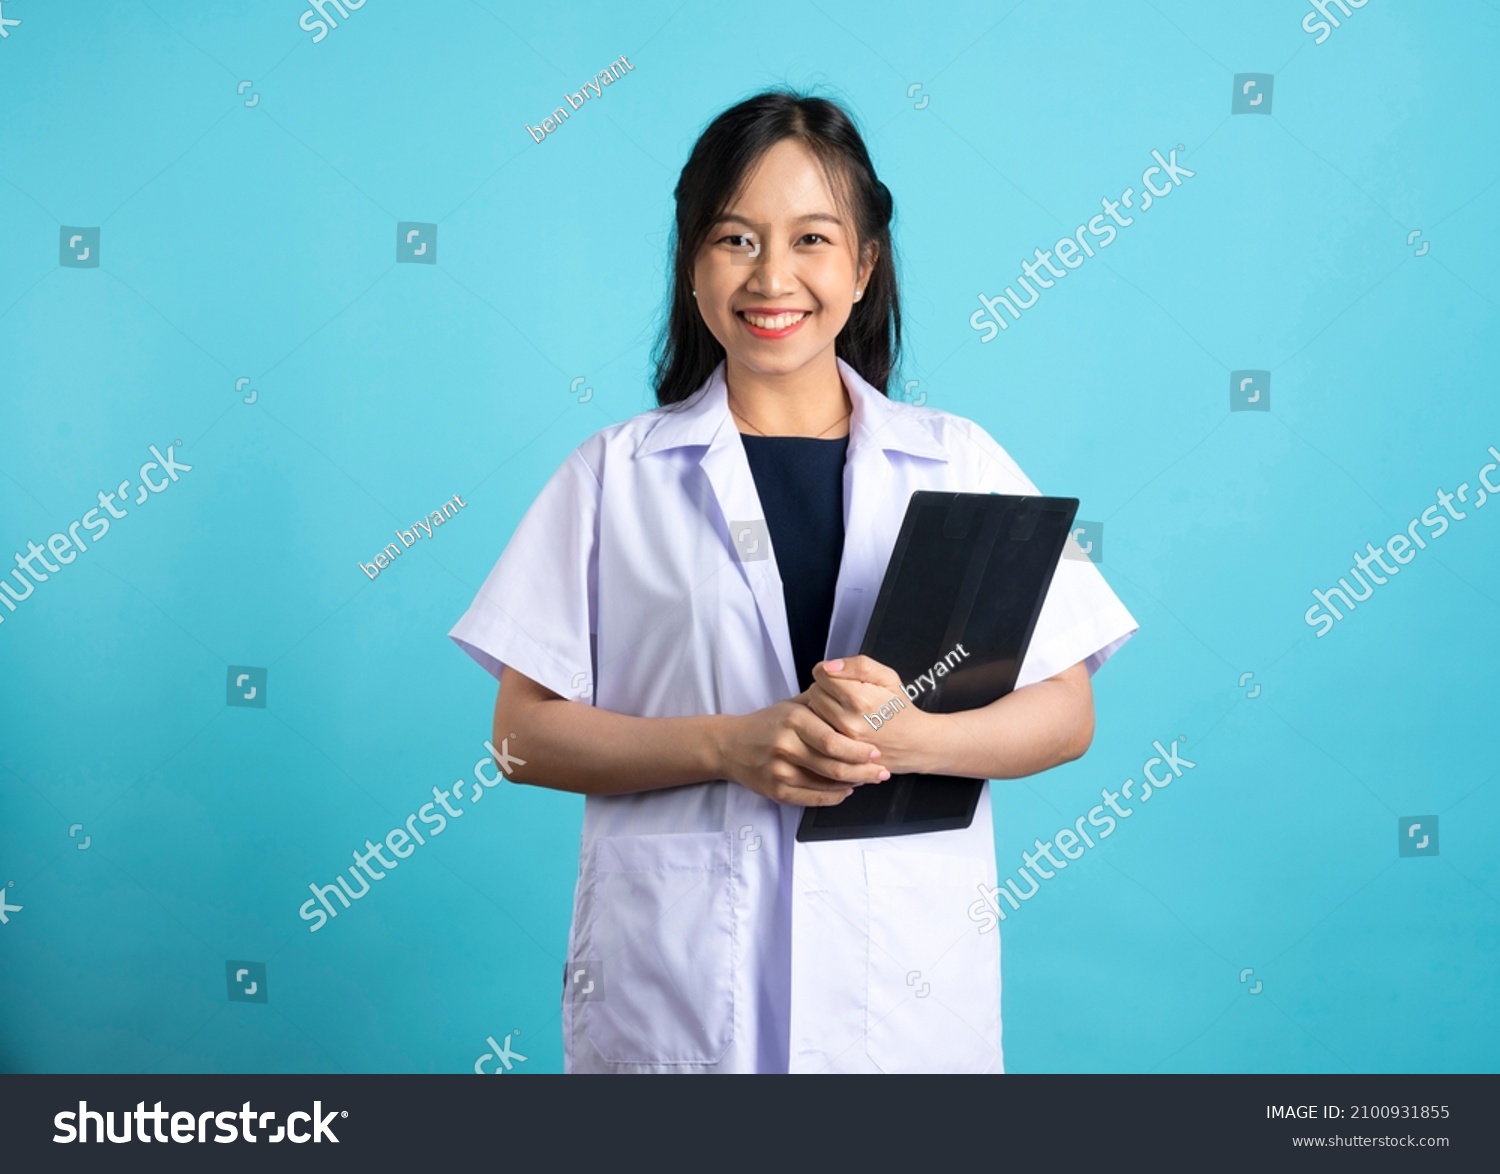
[778,322]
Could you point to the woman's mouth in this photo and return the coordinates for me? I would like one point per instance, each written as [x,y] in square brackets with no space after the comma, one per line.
[777,325]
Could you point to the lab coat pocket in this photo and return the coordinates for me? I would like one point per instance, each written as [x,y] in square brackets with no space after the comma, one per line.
[933,981]
[663,925]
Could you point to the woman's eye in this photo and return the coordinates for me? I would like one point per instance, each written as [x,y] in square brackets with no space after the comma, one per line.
[816,236]
[737,240]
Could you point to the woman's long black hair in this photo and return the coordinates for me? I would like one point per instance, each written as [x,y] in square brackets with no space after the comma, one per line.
[686,352]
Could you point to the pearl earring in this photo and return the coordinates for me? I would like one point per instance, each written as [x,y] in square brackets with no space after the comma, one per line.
[695,293]
[859,293]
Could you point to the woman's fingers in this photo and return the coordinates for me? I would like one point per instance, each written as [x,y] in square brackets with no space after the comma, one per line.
[856,668]
[859,685]
[829,710]
[833,755]
[827,685]
[826,740]
[807,789]
[843,773]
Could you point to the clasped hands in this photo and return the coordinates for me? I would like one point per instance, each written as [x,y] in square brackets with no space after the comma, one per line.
[815,748]
[845,691]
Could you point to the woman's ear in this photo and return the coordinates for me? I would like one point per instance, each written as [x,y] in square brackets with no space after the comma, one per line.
[867,264]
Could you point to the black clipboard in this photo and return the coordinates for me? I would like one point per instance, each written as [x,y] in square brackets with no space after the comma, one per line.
[970,570]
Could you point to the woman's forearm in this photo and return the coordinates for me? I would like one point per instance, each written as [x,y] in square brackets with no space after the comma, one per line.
[1032,729]
[573,746]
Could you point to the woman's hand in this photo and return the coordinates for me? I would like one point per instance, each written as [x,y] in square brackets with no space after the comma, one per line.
[789,754]
[845,691]
[1031,729]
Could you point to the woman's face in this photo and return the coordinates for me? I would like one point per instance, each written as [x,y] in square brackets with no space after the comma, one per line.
[777,275]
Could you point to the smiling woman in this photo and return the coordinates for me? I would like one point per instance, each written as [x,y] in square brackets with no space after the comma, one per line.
[720,703]
[805,280]
[792,261]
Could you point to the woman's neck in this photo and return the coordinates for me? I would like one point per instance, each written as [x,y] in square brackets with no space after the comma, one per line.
[811,401]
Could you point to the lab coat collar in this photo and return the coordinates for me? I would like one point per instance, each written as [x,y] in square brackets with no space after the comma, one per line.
[704,416]
[876,426]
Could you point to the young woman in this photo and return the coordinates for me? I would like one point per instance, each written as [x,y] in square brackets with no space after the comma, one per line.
[670,625]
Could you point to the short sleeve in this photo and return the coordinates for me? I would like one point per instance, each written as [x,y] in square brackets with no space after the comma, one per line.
[1082,619]
[536,611]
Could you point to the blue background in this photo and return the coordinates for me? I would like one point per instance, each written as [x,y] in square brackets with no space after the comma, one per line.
[258,241]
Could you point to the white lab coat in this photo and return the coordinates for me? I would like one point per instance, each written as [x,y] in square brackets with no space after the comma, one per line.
[714,941]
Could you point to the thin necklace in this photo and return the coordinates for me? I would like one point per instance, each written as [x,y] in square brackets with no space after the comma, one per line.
[741,415]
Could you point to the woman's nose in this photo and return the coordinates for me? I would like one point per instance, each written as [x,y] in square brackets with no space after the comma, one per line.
[769,276]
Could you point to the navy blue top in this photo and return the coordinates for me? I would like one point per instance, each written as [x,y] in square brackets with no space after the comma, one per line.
[800,481]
